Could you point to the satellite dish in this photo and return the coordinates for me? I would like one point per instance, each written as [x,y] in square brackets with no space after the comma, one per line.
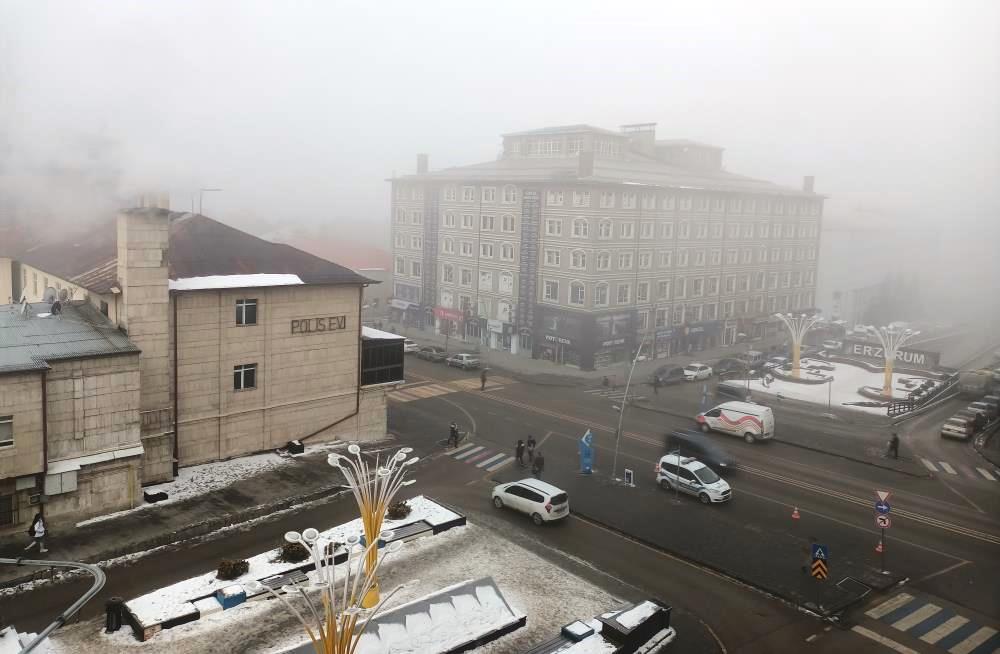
[51,295]
[63,294]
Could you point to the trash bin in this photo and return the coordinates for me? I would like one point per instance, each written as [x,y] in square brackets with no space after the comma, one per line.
[115,610]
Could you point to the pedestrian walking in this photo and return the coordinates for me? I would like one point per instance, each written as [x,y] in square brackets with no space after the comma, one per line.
[656,385]
[519,452]
[530,446]
[453,434]
[482,380]
[538,465]
[37,533]
[894,446]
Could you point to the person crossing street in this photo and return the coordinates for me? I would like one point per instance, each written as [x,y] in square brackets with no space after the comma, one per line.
[453,434]
[538,465]
[530,446]
[482,380]
[894,446]
[519,452]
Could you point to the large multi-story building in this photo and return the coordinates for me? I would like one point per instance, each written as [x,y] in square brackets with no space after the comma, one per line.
[580,245]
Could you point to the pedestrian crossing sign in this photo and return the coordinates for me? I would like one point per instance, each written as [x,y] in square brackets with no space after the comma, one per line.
[819,570]
[820,552]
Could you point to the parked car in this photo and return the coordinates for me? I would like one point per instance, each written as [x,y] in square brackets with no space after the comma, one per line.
[463,360]
[751,358]
[668,375]
[432,353]
[957,427]
[993,401]
[984,407]
[832,345]
[750,421]
[540,500]
[697,371]
[733,390]
[409,347]
[693,443]
[777,362]
[689,475]
[729,365]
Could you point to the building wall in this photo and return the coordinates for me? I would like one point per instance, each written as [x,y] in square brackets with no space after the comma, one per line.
[102,488]
[34,281]
[21,397]
[7,281]
[305,381]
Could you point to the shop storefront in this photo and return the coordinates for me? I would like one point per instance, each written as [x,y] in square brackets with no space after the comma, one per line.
[585,341]
[448,321]
[404,312]
[700,336]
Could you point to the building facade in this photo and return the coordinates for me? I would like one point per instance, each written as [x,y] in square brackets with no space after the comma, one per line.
[582,245]
[226,345]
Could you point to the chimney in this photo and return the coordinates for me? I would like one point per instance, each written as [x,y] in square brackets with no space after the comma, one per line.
[585,166]
[807,183]
[421,164]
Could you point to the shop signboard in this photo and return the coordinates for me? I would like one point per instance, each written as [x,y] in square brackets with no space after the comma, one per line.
[923,359]
[444,313]
[561,340]
[495,325]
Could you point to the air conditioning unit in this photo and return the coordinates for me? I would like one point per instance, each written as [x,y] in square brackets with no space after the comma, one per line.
[36,498]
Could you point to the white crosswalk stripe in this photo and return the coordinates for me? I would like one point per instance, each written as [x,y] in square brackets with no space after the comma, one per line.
[469,452]
[490,460]
[943,629]
[927,464]
[890,605]
[986,473]
[972,642]
[947,467]
[496,466]
[918,616]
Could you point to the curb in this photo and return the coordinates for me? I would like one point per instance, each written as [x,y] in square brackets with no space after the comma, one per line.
[804,447]
[735,578]
[184,534]
[981,443]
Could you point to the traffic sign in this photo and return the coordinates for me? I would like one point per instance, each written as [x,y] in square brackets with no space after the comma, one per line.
[883,495]
[882,507]
[820,552]
[883,521]
[819,569]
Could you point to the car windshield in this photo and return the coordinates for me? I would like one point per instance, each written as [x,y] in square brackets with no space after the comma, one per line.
[705,475]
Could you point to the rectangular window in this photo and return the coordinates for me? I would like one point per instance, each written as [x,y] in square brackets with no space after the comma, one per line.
[730,284]
[747,256]
[246,312]
[507,252]
[485,281]
[748,230]
[465,277]
[551,291]
[104,308]
[645,259]
[716,230]
[663,289]
[554,198]
[625,260]
[607,199]
[701,230]
[710,311]
[627,230]
[581,198]
[466,250]
[577,293]
[786,279]
[733,230]
[715,257]
[666,259]
[682,258]
[701,203]
[699,257]
[680,288]
[489,194]
[732,256]
[649,202]
[486,250]
[449,219]
[772,280]
[448,246]
[684,231]
[400,266]
[488,222]
[642,292]
[468,220]
[643,320]
[448,273]
[245,377]
[415,268]
[450,193]
[400,241]
[718,204]
[417,217]
[713,285]
[697,287]
[646,230]
[468,194]
[553,257]
[797,278]
[417,242]
[507,223]
[667,230]
[6,431]
[553,227]
[624,293]
[628,200]
[661,317]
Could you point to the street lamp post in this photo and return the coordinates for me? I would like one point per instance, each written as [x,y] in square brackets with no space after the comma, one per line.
[892,340]
[621,414]
[798,325]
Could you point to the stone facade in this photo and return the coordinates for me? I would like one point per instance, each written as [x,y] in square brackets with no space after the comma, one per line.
[21,462]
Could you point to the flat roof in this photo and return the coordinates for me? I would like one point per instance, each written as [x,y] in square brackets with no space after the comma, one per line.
[32,335]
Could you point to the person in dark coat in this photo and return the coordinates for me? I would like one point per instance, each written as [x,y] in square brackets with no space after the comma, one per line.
[453,434]
[519,452]
[482,380]
[37,533]
[656,385]
[530,446]
[894,446]
[538,465]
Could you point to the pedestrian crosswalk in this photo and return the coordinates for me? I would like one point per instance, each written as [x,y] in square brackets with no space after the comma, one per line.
[481,457]
[936,625]
[973,472]
[423,390]
[616,394]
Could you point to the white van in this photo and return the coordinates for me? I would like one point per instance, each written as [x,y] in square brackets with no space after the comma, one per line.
[751,421]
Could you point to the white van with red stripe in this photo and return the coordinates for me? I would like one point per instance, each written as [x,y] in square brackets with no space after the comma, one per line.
[751,422]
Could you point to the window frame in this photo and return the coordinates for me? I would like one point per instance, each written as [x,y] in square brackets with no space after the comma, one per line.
[7,442]
[240,373]
[245,304]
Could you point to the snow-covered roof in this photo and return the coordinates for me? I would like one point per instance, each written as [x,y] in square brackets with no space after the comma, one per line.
[378,334]
[233,281]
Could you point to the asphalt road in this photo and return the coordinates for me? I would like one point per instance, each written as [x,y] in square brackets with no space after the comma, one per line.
[943,545]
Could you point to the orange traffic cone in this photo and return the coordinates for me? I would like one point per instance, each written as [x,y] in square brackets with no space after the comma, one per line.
[878,548]
[795,513]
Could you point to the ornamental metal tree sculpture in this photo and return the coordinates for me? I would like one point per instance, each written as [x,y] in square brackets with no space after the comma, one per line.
[892,340]
[798,325]
[337,629]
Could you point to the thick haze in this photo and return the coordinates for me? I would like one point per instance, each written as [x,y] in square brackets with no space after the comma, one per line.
[300,110]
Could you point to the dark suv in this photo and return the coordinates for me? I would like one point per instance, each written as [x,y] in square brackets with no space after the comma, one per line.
[432,353]
[702,448]
[668,375]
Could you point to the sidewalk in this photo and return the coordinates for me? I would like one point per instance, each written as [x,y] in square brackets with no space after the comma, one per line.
[548,373]
[298,480]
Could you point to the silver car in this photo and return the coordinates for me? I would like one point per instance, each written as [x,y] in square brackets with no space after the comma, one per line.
[463,361]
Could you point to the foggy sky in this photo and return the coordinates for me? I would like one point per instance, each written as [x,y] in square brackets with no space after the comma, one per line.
[300,110]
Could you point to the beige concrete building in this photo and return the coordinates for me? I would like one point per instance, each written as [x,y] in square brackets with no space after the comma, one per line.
[580,244]
[238,345]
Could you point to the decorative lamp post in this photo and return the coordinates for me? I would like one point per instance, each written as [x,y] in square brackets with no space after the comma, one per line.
[892,340]
[798,325]
[337,616]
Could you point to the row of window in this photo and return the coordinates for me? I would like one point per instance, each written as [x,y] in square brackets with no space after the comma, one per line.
[415,269]
[508,194]
[691,313]
[505,280]
[503,307]
[489,222]
[553,257]
[580,228]
[553,147]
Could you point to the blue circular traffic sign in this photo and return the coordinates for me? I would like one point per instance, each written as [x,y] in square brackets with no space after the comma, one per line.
[882,507]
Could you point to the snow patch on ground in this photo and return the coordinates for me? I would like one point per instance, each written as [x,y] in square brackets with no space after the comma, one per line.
[634,616]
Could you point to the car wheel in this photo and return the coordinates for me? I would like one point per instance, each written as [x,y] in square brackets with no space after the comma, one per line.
[705,428]
[704,499]
[497,502]
[537,519]
[748,437]
[665,485]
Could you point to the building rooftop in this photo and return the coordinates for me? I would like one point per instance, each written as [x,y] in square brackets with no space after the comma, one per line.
[199,247]
[32,335]
[688,142]
[565,129]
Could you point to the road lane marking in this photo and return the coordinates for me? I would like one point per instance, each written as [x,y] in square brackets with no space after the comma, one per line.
[915,618]
[928,464]
[973,641]
[986,473]
[944,571]
[947,467]
[466,453]
[478,457]
[889,605]
[506,462]
[461,448]
[936,634]
[490,461]
[882,640]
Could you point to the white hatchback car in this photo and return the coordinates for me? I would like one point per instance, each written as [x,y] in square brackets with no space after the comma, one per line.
[697,371]
[543,502]
[689,475]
